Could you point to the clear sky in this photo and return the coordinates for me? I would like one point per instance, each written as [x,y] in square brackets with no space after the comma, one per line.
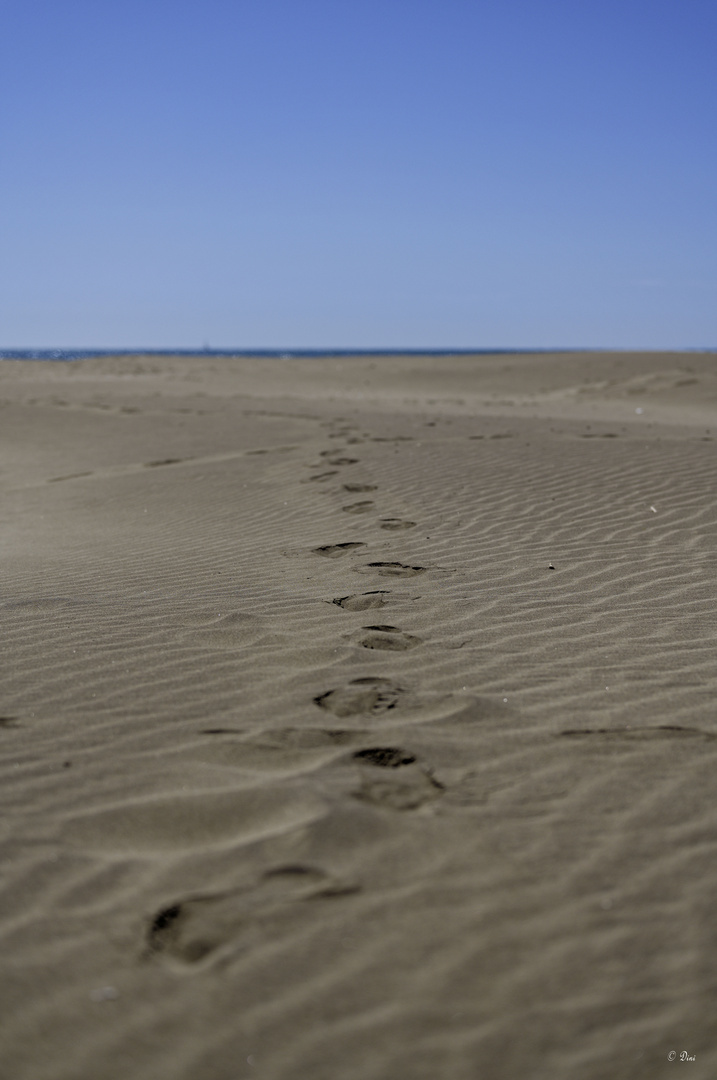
[318,173]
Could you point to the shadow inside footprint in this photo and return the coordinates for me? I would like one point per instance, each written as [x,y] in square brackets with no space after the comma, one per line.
[360,487]
[190,930]
[389,638]
[406,785]
[384,757]
[320,476]
[361,696]
[363,601]
[332,458]
[335,551]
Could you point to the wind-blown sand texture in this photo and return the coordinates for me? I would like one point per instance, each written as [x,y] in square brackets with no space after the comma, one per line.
[358,718]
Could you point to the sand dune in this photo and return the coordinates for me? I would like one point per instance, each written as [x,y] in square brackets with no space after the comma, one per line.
[357,718]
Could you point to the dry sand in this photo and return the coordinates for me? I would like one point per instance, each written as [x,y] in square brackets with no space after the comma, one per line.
[358,718]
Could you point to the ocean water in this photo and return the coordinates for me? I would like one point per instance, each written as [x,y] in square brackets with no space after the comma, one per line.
[284,354]
[287,354]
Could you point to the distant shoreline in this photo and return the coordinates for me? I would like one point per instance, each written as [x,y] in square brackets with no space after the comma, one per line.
[287,354]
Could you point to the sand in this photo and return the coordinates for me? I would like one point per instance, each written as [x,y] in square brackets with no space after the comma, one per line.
[358,718]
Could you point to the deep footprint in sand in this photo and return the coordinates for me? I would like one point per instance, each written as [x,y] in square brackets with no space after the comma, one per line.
[369,695]
[362,601]
[393,569]
[393,778]
[320,476]
[350,440]
[335,551]
[384,757]
[360,487]
[388,638]
[188,931]
[333,457]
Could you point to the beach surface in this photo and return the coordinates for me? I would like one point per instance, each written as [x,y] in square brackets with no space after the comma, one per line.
[357,718]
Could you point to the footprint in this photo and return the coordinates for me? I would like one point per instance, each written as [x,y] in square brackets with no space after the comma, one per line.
[190,930]
[363,601]
[272,450]
[359,508]
[395,569]
[404,785]
[397,523]
[320,476]
[498,436]
[360,697]
[335,551]
[164,461]
[388,638]
[350,440]
[332,459]
[360,487]
[375,697]
[385,757]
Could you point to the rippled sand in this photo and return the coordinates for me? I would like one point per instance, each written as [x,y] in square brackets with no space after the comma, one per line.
[358,718]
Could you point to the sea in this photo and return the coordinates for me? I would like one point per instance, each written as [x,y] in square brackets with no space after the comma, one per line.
[288,354]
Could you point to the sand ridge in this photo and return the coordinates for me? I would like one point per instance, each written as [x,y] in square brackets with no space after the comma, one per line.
[357,721]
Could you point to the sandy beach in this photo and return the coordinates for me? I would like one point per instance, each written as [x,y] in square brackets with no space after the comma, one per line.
[357,718]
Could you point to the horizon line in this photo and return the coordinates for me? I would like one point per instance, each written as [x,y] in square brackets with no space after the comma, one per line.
[80,352]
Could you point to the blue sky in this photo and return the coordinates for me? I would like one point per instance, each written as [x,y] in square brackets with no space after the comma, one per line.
[318,173]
